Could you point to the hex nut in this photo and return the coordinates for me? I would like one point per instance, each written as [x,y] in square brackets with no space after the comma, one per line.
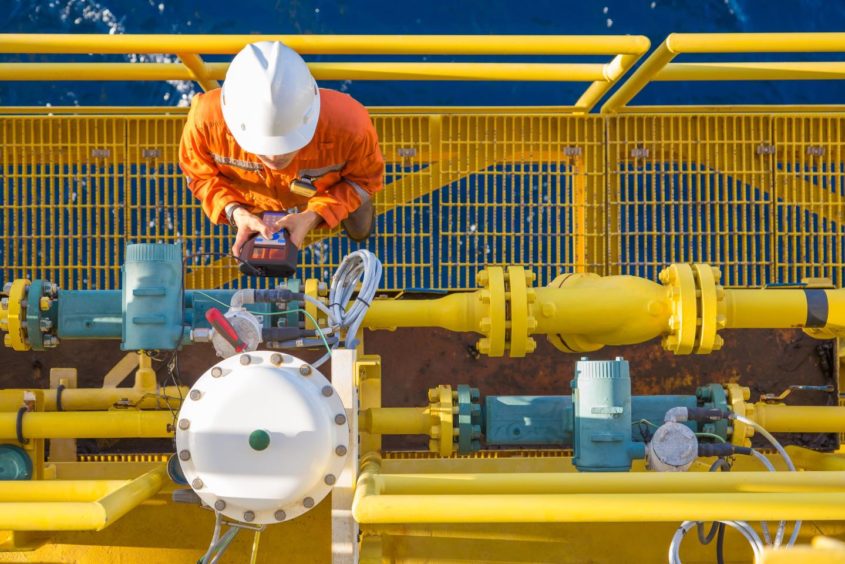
[197,484]
[308,502]
[305,370]
[340,450]
[327,391]
[279,515]
[330,479]
[184,454]
[216,372]
[184,424]
[195,394]
[340,419]
[245,359]
[219,505]
[249,516]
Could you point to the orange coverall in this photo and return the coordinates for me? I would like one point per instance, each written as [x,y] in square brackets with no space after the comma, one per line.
[344,153]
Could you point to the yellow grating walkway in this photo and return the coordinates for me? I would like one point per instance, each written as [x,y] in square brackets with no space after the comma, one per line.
[761,196]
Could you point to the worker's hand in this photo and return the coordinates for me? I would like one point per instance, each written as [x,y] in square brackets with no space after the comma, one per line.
[248,224]
[298,225]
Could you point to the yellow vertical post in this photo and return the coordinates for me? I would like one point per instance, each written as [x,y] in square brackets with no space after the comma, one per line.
[579,213]
[145,377]
[62,450]
[369,396]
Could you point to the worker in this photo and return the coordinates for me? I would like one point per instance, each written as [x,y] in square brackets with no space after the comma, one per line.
[270,140]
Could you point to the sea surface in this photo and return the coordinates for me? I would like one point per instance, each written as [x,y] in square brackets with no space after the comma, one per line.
[653,18]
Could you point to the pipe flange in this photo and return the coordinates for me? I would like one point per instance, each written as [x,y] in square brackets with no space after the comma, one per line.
[262,438]
[15,315]
[520,324]
[493,299]
[442,428]
[697,308]
[738,397]
[468,412]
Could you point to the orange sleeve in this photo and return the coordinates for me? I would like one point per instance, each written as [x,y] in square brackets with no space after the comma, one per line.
[213,190]
[364,168]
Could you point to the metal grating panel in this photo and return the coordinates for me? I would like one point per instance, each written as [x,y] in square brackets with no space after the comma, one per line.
[810,197]
[525,190]
[759,196]
[691,189]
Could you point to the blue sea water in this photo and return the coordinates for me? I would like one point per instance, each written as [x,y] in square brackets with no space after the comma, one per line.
[654,18]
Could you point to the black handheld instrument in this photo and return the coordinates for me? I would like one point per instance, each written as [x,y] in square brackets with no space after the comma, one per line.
[275,257]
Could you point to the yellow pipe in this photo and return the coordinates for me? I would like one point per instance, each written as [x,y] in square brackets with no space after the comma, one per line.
[81,516]
[752,71]
[779,418]
[563,72]
[598,508]
[635,482]
[397,420]
[56,490]
[371,506]
[782,308]
[813,460]
[89,425]
[459,312]
[98,399]
[330,44]
[610,310]
[772,309]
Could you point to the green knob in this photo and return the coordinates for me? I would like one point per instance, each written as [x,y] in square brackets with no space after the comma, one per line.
[259,440]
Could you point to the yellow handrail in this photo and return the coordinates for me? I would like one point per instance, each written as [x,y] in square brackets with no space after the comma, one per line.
[190,48]
[659,66]
[331,44]
[74,505]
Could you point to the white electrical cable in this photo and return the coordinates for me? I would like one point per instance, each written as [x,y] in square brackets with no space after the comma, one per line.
[363,266]
[360,265]
[782,451]
[741,526]
[765,526]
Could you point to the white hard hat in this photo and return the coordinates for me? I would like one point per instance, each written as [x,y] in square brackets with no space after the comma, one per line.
[270,100]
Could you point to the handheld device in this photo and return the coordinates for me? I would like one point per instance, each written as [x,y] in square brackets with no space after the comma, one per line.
[274,257]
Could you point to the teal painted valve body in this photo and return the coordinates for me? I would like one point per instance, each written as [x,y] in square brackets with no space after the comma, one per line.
[15,463]
[152,297]
[601,398]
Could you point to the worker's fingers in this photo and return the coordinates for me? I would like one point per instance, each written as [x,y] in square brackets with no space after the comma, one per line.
[254,224]
[283,223]
[240,239]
